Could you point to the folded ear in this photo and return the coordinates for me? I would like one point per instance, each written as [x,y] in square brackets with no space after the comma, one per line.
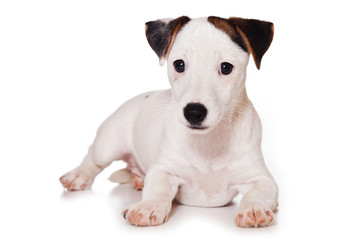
[161,34]
[257,35]
[250,34]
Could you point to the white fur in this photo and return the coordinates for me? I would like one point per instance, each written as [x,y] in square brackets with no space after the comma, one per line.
[196,167]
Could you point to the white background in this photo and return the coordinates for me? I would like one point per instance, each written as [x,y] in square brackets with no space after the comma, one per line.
[66,65]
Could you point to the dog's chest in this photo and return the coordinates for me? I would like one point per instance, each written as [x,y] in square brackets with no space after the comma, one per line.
[209,186]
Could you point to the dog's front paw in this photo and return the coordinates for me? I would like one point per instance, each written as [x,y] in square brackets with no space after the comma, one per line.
[76,180]
[147,213]
[254,215]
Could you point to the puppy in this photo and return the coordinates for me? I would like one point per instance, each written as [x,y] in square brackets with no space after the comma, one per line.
[198,142]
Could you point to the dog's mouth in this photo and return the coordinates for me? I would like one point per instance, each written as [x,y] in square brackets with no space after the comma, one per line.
[197,127]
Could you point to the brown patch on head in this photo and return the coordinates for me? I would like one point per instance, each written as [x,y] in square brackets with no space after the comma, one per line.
[250,34]
[229,28]
[161,34]
[178,25]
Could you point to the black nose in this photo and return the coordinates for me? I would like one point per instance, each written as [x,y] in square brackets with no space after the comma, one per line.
[195,113]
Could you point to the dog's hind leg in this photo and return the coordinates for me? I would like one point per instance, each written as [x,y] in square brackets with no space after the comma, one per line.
[137,181]
[110,144]
[82,177]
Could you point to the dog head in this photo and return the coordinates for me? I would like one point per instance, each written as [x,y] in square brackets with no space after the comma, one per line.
[207,60]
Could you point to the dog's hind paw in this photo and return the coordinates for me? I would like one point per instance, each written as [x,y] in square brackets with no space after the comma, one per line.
[147,213]
[126,176]
[137,181]
[254,215]
[75,181]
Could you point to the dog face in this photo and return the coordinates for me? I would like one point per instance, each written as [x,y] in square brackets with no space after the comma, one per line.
[206,71]
[206,61]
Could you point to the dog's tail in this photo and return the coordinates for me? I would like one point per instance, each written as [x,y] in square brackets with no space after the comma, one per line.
[126,176]
[121,176]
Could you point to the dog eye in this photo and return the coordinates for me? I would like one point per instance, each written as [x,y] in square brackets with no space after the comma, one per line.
[226,68]
[179,65]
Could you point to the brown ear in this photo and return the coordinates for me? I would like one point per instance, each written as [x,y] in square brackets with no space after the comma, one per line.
[161,34]
[250,34]
[257,35]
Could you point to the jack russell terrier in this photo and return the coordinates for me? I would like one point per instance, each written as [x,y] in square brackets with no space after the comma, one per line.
[198,142]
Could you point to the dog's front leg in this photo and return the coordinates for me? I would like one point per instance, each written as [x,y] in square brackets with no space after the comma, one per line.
[257,205]
[159,190]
